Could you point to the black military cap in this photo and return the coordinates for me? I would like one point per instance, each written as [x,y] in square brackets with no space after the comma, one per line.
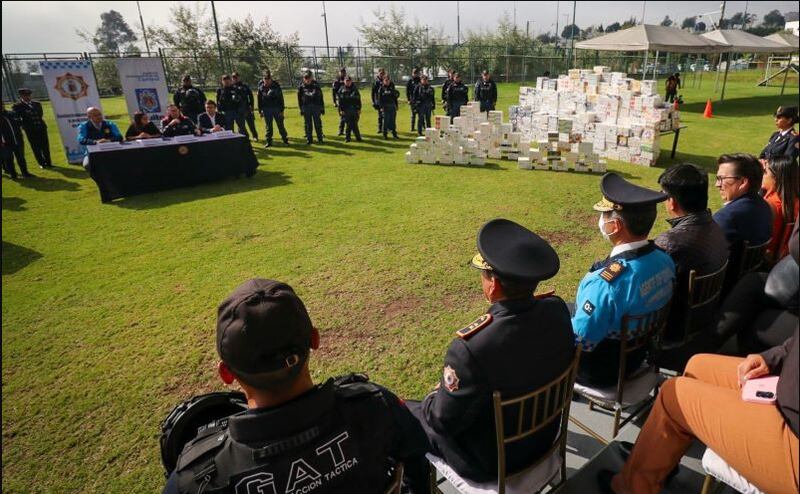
[24,90]
[263,332]
[789,112]
[514,253]
[619,194]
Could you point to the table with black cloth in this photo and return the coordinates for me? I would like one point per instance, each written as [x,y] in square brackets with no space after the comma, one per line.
[134,168]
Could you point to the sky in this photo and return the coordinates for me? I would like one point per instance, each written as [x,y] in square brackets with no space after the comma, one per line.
[50,26]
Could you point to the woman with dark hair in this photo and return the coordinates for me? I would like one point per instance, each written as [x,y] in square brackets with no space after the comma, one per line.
[785,140]
[141,128]
[781,188]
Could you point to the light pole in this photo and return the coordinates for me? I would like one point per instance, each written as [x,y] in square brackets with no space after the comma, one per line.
[144,31]
[219,43]
[528,28]
[644,6]
[325,18]
[458,23]
[572,33]
[557,35]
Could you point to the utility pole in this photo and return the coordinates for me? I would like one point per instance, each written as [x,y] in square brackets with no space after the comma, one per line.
[144,31]
[458,23]
[719,26]
[644,6]
[744,19]
[515,16]
[557,35]
[216,30]
[572,33]
[325,18]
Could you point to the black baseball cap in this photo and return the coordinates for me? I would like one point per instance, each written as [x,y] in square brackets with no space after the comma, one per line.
[263,333]
[515,253]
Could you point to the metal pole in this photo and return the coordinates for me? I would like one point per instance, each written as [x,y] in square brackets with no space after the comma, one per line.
[572,33]
[785,75]
[744,19]
[144,31]
[325,17]
[458,23]
[557,35]
[721,17]
[655,68]
[725,79]
[644,67]
[219,43]
[644,6]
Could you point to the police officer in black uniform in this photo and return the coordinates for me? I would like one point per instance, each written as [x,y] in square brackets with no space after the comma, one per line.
[411,88]
[18,150]
[233,103]
[376,87]
[388,103]
[425,98]
[342,436]
[785,140]
[249,103]
[271,106]
[522,343]
[457,95]
[11,143]
[486,92]
[337,85]
[190,100]
[350,107]
[445,87]
[312,106]
[31,117]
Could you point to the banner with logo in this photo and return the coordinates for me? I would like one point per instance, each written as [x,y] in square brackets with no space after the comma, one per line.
[144,86]
[72,89]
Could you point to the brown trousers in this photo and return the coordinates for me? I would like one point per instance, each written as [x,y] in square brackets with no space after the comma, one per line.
[706,404]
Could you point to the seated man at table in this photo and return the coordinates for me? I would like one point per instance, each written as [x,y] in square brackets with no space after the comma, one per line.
[96,130]
[141,128]
[211,120]
[175,124]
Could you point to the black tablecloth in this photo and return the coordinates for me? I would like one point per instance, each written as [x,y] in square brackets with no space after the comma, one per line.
[138,169]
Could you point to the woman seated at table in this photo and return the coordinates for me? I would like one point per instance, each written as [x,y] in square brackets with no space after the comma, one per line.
[141,128]
[175,124]
[211,120]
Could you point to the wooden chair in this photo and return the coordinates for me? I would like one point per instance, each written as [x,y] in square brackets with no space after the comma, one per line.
[636,332]
[544,405]
[703,295]
[397,480]
[753,257]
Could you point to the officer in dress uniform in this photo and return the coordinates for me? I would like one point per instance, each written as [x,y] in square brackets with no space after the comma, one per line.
[10,144]
[190,100]
[522,343]
[342,436]
[457,95]
[18,151]
[785,140]
[337,85]
[271,106]
[350,107]
[486,92]
[31,117]
[248,105]
[636,278]
[376,87]
[312,106]
[425,98]
[411,89]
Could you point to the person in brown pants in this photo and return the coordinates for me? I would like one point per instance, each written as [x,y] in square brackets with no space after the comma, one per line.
[758,441]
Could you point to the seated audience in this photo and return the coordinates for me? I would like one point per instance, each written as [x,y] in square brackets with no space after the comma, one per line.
[339,436]
[759,441]
[636,279]
[784,141]
[175,124]
[142,128]
[96,130]
[781,184]
[522,343]
[694,241]
[211,120]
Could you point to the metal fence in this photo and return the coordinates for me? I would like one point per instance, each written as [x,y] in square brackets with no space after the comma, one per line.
[288,62]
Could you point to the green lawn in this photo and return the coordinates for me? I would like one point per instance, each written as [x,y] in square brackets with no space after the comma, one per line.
[109,309]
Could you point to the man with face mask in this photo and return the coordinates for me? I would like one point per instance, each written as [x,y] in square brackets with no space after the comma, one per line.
[635,279]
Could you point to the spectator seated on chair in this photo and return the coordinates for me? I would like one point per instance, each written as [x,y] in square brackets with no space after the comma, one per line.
[637,278]
[694,241]
[522,343]
[781,185]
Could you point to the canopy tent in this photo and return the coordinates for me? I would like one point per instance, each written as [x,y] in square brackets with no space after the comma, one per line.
[738,41]
[785,38]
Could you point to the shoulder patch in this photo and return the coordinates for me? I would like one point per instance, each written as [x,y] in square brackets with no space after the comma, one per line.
[474,327]
[612,271]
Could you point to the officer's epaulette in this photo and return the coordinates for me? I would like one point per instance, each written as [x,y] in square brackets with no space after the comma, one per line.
[474,327]
[540,296]
[612,271]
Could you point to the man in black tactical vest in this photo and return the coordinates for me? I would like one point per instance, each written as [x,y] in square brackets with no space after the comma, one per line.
[343,436]
[190,100]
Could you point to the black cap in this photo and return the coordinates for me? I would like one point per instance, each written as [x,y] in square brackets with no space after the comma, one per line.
[485,72]
[267,74]
[187,77]
[263,332]
[789,112]
[514,253]
[619,195]
[308,74]
[24,90]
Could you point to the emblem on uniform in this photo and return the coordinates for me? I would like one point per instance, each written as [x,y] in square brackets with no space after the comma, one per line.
[147,99]
[450,379]
[72,86]
[588,307]
[612,271]
[183,150]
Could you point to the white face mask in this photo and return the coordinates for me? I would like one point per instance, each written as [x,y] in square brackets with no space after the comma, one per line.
[600,223]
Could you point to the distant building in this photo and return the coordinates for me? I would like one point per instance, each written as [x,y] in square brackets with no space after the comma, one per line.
[792,22]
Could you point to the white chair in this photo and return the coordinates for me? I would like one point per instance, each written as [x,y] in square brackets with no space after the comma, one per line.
[548,403]
[716,468]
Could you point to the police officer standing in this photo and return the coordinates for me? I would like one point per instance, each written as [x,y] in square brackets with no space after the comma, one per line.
[31,118]
[457,95]
[388,102]
[190,100]
[522,343]
[312,106]
[342,436]
[486,92]
[411,88]
[425,98]
[445,87]
[271,106]
[636,279]
[233,104]
[249,103]
[337,85]
[376,86]
[350,107]
[11,143]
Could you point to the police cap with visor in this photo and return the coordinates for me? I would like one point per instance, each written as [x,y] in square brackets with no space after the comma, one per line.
[621,195]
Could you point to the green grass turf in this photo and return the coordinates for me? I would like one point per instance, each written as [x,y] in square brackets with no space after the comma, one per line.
[109,310]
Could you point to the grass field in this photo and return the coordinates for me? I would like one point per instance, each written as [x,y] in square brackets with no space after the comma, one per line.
[109,309]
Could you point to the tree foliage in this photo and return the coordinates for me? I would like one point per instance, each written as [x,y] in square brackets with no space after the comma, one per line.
[667,22]
[689,22]
[613,27]
[774,19]
[111,38]
[571,31]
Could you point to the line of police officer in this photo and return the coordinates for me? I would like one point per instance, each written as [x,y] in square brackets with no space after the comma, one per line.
[25,115]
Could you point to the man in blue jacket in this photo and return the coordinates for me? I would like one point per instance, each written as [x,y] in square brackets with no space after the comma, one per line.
[97,130]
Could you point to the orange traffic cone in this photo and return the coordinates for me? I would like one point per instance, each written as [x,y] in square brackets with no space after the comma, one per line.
[675,104]
[707,113]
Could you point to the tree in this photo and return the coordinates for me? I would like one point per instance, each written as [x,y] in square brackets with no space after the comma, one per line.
[613,28]
[112,36]
[546,39]
[600,29]
[689,22]
[570,31]
[629,23]
[774,19]
[252,49]
[738,19]
[667,22]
